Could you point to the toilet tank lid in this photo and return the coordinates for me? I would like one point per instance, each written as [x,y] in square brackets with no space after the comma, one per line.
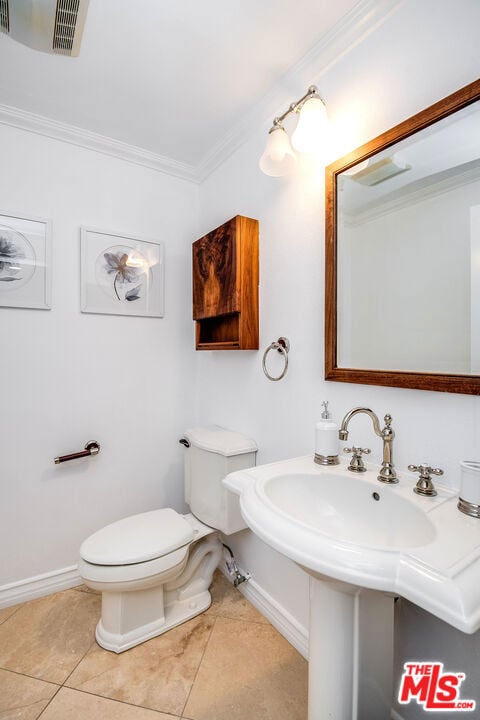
[137,538]
[219,440]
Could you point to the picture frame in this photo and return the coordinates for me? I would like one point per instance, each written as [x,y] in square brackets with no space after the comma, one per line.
[121,274]
[25,261]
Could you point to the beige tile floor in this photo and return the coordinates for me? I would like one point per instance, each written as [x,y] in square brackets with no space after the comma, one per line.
[227,664]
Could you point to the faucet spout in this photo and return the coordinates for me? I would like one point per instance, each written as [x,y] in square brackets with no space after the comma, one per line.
[343,432]
[387,472]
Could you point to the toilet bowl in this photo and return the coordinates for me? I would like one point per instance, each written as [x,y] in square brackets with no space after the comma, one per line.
[154,569]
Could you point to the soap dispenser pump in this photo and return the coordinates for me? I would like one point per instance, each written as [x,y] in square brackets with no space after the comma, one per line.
[326,439]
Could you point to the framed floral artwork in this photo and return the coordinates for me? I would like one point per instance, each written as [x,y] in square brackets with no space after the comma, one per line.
[121,274]
[25,262]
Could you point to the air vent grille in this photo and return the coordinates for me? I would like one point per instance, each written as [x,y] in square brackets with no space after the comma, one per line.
[4,16]
[65,24]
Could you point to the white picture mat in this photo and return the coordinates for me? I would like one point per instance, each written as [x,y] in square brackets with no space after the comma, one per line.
[97,286]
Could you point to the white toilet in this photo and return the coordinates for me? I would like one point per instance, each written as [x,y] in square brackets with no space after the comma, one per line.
[154,569]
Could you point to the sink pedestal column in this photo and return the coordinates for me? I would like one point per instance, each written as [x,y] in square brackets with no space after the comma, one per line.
[351,652]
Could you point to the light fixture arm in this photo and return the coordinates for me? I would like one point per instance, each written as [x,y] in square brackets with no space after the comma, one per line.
[295,107]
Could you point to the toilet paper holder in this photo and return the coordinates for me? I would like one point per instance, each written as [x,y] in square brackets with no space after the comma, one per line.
[92,447]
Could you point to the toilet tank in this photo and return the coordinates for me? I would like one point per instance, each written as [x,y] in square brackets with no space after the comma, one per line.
[213,453]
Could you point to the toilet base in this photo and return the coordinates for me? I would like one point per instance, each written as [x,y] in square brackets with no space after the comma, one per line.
[178,612]
[130,617]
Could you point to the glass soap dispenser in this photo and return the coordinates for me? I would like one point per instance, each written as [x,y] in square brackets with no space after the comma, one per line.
[326,439]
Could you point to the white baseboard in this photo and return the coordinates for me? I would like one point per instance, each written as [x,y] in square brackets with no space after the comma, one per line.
[281,619]
[38,586]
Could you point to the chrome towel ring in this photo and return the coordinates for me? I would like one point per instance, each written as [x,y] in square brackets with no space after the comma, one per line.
[282,345]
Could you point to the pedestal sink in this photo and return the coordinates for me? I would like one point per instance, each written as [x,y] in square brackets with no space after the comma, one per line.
[362,543]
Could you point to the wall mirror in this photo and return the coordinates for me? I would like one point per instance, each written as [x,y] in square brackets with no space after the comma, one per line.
[403,253]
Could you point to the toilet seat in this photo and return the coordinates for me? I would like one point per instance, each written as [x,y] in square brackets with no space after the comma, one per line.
[138,539]
[139,536]
[149,570]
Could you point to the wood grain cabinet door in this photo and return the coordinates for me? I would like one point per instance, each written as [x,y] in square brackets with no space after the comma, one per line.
[215,270]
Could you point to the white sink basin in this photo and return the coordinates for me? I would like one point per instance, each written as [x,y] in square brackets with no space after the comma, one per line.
[363,513]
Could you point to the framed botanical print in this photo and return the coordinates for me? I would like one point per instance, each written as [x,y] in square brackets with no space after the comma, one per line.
[121,274]
[25,262]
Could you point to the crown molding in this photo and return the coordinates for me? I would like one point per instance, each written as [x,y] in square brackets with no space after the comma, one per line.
[339,40]
[363,19]
[41,125]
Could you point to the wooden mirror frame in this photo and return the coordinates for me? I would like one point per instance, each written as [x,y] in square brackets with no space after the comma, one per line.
[468,384]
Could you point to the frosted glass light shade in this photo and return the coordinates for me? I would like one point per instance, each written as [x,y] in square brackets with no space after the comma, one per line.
[278,158]
[309,135]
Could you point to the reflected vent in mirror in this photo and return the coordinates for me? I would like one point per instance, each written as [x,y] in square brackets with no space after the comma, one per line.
[377,172]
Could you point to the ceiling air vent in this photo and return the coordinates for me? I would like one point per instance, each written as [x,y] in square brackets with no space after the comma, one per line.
[4,21]
[52,26]
[66,19]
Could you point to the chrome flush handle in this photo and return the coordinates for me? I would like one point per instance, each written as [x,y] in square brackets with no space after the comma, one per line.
[425,485]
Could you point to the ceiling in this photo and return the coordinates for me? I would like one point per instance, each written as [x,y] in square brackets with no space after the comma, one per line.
[169,76]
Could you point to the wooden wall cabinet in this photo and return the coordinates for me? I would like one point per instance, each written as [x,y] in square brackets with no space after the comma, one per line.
[225,286]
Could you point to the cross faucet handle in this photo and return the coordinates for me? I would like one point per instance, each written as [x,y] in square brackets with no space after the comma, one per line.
[425,485]
[356,463]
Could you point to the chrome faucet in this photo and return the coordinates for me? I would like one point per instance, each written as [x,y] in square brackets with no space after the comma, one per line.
[387,473]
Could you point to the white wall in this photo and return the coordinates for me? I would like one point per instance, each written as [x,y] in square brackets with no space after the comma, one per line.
[420,54]
[422,254]
[68,377]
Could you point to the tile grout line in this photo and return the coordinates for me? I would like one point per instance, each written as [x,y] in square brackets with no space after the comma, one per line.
[112,700]
[200,664]
[240,619]
[46,706]
[78,663]
[60,686]
[216,617]
[10,616]
[32,677]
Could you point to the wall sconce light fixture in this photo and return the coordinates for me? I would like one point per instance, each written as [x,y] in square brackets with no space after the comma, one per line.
[279,157]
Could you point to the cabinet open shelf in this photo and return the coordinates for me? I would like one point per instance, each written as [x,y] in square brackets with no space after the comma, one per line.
[216,331]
